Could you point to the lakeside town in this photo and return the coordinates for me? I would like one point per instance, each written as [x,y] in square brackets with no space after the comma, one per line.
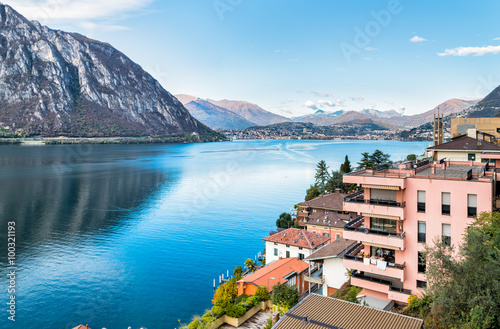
[368,247]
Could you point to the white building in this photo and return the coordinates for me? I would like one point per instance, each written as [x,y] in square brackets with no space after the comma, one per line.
[292,243]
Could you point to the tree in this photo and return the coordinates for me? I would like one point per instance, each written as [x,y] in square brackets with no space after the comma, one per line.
[378,158]
[312,192]
[411,157]
[335,181]
[345,168]
[225,294]
[283,293]
[365,162]
[262,293]
[284,221]
[250,264]
[321,173]
[238,272]
[465,285]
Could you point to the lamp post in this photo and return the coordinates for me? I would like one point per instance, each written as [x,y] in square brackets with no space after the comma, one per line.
[268,282]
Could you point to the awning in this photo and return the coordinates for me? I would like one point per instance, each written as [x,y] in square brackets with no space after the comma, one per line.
[381,187]
[381,216]
[379,245]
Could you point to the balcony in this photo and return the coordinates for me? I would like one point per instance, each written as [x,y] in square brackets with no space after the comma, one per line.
[380,285]
[356,203]
[354,230]
[387,177]
[315,277]
[367,265]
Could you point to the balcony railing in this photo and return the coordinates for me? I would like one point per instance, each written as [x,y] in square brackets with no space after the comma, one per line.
[361,276]
[351,255]
[354,226]
[358,198]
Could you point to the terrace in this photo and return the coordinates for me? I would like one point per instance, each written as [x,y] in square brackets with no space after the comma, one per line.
[355,230]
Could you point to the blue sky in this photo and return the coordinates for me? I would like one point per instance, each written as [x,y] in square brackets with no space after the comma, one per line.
[293,57]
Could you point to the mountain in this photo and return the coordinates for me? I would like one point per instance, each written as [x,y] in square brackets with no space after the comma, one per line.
[54,83]
[216,117]
[251,112]
[382,114]
[318,114]
[488,107]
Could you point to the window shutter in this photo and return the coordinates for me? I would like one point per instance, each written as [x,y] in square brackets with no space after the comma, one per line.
[446,198]
[446,229]
[421,227]
[421,196]
[472,200]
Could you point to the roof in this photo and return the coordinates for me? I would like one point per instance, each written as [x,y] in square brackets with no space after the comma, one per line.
[334,201]
[329,219]
[466,143]
[327,312]
[298,238]
[335,249]
[81,327]
[280,270]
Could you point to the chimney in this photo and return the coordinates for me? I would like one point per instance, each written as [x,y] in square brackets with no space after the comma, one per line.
[87,326]
[433,170]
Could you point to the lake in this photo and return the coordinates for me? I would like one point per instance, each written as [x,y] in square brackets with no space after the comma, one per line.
[134,235]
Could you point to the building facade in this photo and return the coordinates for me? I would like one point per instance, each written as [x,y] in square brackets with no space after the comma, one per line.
[324,204]
[330,225]
[403,208]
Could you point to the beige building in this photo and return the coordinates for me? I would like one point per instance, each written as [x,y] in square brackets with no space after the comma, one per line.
[463,148]
[488,126]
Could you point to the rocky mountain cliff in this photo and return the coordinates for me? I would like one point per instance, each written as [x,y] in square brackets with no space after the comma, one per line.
[56,83]
[216,117]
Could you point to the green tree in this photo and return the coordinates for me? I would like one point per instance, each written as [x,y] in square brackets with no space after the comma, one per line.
[283,293]
[225,294]
[411,157]
[378,158]
[345,168]
[250,264]
[365,162]
[321,175]
[335,181]
[312,192]
[463,280]
[238,272]
[262,293]
[284,221]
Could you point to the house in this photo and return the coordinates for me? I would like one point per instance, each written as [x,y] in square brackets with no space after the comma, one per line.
[488,126]
[324,204]
[327,263]
[402,208]
[82,327]
[292,243]
[330,225]
[464,148]
[288,271]
[320,312]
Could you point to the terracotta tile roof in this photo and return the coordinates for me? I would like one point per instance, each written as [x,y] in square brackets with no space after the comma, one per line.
[81,327]
[298,238]
[326,312]
[332,201]
[335,249]
[277,270]
[329,220]
[466,143]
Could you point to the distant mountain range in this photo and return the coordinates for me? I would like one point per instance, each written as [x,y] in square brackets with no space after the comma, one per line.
[54,83]
[488,107]
[390,117]
[229,114]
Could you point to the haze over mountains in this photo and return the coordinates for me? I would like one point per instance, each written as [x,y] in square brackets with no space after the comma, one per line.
[54,83]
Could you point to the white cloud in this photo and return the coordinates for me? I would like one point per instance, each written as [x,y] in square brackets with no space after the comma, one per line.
[324,104]
[417,39]
[320,94]
[498,38]
[53,10]
[357,99]
[310,104]
[471,51]
[370,49]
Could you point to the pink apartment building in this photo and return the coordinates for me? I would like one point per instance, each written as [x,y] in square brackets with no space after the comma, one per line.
[401,209]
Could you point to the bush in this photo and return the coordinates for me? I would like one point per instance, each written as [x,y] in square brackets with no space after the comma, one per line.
[253,301]
[195,324]
[225,294]
[240,298]
[283,293]
[235,311]
[207,318]
[218,311]
[262,293]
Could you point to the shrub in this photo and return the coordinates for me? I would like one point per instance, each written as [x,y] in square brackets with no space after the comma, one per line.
[218,311]
[240,298]
[235,311]
[195,324]
[262,293]
[269,323]
[283,293]
[225,294]
[253,301]
[207,318]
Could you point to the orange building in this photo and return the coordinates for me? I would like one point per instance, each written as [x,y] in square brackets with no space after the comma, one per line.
[330,225]
[288,271]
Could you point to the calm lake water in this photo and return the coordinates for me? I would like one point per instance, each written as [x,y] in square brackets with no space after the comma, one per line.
[133,235]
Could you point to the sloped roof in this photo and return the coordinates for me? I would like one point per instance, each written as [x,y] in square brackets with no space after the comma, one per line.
[329,219]
[298,238]
[277,270]
[81,327]
[333,201]
[335,249]
[326,312]
[466,143]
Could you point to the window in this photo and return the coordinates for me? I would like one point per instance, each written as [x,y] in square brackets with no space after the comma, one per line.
[287,245]
[421,284]
[471,156]
[301,256]
[300,248]
[388,255]
[471,205]
[326,234]
[314,232]
[383,225]
[445,203]
[337,236]
[447,234]
[275,251]
[421,232]
[275,244]
[421,262]
[421,201]
[287,254]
